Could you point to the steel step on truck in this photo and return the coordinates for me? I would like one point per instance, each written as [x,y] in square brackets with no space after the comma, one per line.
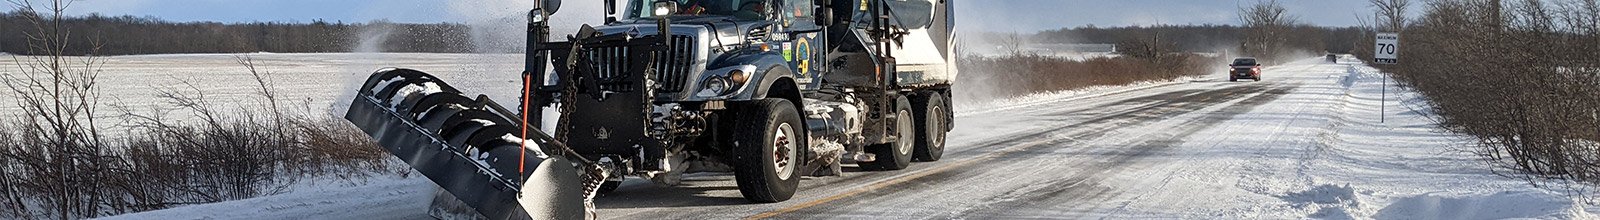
[768,90]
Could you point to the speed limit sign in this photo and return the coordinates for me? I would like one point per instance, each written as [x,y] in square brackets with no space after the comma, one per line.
[1388,51]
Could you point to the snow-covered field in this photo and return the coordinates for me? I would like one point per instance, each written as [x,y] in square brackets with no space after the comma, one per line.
[308,82]
[1304,143]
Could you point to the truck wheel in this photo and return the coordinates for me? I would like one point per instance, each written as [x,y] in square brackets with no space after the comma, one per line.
[767,149]
[931,118]
[896,155]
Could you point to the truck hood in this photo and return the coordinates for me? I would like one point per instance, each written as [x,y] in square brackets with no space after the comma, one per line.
[720,30]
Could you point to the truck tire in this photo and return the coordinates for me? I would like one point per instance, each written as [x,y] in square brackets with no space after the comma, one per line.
[896,155]
[931,120]
[767,150]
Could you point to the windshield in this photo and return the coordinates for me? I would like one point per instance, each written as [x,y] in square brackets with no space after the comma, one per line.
[1244,62]
[742,9]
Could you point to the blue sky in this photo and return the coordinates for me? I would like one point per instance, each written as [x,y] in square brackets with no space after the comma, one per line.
[992,15]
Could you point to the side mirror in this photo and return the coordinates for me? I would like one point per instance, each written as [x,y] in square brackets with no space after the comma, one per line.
[550,6]
[611,7]
[824,17]
[823,12]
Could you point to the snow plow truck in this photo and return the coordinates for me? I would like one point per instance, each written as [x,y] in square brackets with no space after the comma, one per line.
[768,90]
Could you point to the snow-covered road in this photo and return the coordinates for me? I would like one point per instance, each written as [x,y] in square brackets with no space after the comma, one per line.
[1304,143]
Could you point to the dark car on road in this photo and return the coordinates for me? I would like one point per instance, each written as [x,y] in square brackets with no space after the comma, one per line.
[1244,68]
[1333,58]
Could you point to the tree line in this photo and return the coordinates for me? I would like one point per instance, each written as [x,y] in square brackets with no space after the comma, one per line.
[1209,37]
[124,35]
[1261,35]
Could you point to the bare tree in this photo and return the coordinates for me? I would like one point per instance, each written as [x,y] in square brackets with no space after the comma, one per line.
[1363,48]
[1393,13]
[1013,43]
[1268,24]
[59,96]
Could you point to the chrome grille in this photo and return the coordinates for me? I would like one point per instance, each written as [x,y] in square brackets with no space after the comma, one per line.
[675,66]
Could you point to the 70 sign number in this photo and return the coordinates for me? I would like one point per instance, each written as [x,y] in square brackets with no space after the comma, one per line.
[1386,48]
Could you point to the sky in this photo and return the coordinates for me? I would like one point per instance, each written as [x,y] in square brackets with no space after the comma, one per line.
[990,15]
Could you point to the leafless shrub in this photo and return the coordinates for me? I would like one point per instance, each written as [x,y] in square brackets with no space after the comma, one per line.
[251,151]
[335,147]
[57,152]
[1015,75]
[1523,76]
[224,157]
[219,154]
[10,198]
[56,162]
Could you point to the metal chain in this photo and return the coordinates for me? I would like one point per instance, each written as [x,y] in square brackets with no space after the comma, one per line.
[593,174]
[569,93]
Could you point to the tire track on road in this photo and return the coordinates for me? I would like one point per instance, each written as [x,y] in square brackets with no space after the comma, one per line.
[647,196]
[1123,159]
[1033,143]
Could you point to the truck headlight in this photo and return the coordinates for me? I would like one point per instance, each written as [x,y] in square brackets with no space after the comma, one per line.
[665,7]
[738,76]
[718,85]
[730,80]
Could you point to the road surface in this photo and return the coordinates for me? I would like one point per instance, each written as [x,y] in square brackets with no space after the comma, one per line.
[1304,143]
[1050,159]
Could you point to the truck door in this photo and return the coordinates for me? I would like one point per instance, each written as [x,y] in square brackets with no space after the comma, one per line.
[804,48]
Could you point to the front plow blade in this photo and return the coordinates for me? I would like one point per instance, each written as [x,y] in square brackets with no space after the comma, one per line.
[471,148]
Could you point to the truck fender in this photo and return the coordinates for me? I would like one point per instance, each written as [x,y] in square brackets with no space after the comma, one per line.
[760,81]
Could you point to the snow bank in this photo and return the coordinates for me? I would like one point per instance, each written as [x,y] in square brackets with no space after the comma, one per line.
[1401,166]
[1502,205]
[387,197]
[1333,144]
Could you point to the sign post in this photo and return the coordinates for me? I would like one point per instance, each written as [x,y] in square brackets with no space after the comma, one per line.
[1388,52]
